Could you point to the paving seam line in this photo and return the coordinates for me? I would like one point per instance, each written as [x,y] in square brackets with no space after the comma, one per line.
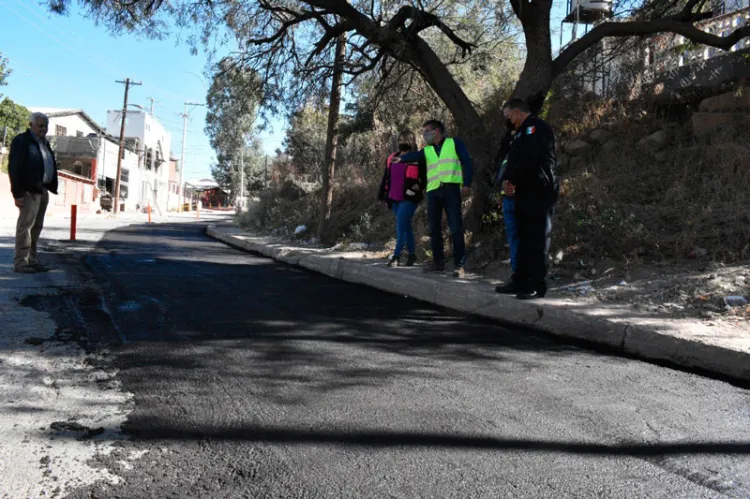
[639,341]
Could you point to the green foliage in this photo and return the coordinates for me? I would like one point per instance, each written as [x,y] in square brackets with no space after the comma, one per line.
[256,170]
[544,113]
[305,141]
[4,71]
[232,104]
[14,116]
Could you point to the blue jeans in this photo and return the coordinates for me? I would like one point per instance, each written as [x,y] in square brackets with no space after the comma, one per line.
[446,197]
[404,211]
[511,229]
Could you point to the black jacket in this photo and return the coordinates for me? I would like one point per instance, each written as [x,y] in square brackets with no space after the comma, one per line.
[415,186]
[531,164]
[26,166]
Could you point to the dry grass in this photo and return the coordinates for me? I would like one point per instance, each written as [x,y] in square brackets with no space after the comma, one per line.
[357,216]
[623,204]
[626,204]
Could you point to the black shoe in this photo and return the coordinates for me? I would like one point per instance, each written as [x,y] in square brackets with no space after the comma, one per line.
[530,295]
[508,289]
[410,260]
[394,261]
[25,269]
[40,268]
[435,267]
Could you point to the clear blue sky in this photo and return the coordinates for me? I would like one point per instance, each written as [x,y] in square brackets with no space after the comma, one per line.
[69,62]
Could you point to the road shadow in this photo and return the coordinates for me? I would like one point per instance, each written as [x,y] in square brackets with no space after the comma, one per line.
[172,285]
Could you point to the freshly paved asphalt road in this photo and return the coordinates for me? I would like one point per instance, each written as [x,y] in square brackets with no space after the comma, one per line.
[254,379]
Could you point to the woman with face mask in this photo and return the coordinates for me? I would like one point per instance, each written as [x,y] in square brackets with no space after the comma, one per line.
[402,189]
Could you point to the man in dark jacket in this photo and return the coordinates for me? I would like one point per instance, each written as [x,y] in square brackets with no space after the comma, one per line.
[33,175]
[529,177]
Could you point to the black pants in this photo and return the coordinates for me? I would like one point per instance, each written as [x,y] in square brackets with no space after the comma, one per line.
[534,231]
[446,197]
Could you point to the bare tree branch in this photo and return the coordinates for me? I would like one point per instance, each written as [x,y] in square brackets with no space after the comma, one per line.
[645,28]
[329,35]
[422,20]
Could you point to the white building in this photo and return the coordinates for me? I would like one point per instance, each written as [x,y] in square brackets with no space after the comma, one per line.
[154,143]
[84,148]
[68,122]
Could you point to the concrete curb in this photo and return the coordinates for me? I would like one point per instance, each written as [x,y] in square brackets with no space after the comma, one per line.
[556,316]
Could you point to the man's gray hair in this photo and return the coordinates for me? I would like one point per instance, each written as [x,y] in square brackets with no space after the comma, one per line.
[38,117]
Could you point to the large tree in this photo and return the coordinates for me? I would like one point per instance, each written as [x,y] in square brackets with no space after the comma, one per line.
[232,103]
[13,117]
[332,137]
[290,43]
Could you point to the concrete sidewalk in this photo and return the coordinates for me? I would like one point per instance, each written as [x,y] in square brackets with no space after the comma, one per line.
[688,343]
[53,395]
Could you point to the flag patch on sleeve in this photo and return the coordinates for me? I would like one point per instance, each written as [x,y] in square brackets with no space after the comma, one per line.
[530,130]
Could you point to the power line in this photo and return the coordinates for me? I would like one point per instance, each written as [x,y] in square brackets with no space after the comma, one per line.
[77,51]
[52,37]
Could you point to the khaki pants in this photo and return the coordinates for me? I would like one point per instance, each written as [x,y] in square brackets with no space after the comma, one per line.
[28,228]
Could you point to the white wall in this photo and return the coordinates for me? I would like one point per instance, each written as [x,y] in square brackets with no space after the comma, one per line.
[107,167]
[152,135]
[73,124]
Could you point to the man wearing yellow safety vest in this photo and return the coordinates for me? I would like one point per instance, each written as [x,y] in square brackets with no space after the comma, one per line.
[449,172]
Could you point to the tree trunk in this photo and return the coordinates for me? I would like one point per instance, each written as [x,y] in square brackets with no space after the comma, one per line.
[471,130]
[331,138]
[538,71]
[449,91]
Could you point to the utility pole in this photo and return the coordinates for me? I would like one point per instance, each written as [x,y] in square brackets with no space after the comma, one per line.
[182,155]
[242,178]
[127,84]
[151,111]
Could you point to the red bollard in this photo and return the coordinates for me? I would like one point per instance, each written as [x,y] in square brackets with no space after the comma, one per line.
[73,221]
[149,213]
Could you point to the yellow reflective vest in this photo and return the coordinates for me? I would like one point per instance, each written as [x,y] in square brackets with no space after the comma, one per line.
[443,169]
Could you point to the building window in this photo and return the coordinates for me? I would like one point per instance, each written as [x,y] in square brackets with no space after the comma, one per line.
[61,131]
[79,133]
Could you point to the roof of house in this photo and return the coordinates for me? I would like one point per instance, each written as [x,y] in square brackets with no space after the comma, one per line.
[203,184]
[58,112]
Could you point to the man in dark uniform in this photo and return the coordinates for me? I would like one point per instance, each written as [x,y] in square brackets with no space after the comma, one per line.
[529,177]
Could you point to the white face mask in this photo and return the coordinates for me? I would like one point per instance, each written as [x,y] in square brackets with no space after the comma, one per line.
[429,137]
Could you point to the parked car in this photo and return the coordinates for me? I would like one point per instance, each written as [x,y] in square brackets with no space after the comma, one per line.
[105,201]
